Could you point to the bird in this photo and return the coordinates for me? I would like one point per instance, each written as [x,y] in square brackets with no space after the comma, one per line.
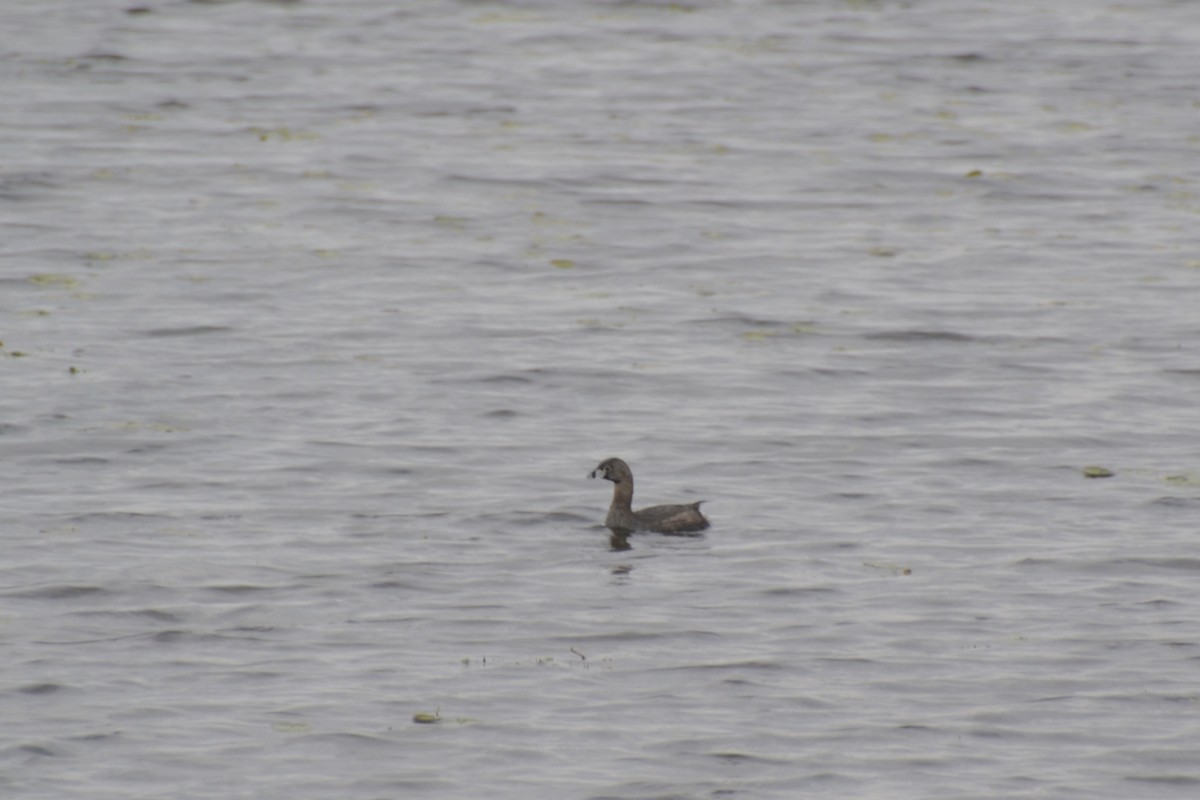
[685,518]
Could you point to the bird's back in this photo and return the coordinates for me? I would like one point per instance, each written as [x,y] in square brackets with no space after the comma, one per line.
[672,518]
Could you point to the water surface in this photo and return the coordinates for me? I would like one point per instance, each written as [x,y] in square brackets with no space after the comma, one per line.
[316,315]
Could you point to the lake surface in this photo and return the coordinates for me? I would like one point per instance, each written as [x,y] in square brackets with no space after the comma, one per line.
[316,315]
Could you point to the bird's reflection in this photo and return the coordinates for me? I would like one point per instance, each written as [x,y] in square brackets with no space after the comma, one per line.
[618,541]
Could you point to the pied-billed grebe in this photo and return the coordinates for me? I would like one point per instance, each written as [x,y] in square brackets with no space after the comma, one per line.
[663,519]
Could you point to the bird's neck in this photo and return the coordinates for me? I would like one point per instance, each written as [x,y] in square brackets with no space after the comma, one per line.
[623,495]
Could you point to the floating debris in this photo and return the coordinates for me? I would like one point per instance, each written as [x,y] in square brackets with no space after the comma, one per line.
[425,718]
[896,569]
[1097,472]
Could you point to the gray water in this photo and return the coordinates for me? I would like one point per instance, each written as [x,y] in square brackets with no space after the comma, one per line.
[315,316]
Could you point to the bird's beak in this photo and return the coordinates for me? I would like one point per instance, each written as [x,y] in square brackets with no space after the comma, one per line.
[592,474]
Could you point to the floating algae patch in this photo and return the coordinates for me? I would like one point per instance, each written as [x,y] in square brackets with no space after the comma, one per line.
[506,17]
[562,263]
[1097,472]
[284,134]
[447,221]
[1075,126]
[1185,479]
[544,219]
[153,427]
[53,279]
[795,330]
